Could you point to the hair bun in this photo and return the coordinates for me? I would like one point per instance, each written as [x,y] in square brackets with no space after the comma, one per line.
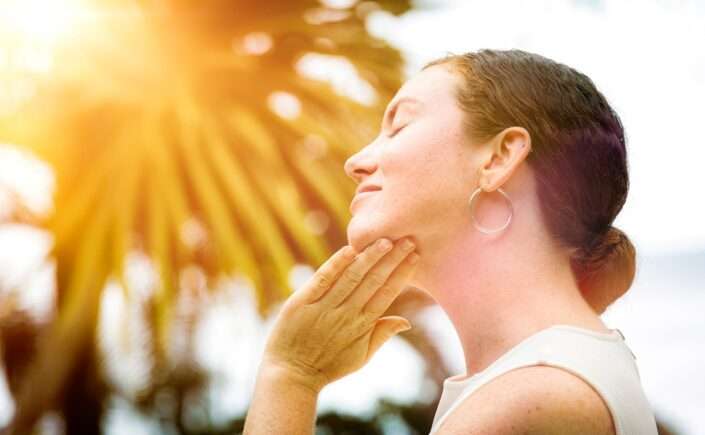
[605,268]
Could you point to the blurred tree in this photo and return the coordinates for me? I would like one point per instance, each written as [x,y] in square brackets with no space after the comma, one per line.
[25,309]
[186,131]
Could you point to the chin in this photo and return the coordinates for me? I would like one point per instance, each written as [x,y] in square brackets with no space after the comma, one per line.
[360,233]
[363,230]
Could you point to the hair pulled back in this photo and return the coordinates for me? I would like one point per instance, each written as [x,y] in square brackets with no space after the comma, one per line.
[578,155]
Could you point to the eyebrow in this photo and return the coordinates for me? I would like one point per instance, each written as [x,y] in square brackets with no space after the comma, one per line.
[392,110]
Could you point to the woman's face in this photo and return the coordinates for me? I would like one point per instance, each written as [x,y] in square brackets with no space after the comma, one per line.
[421,166]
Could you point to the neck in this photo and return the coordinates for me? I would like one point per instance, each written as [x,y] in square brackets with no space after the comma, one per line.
[498,290]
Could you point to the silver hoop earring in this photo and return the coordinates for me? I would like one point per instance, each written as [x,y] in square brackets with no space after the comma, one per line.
[477,225]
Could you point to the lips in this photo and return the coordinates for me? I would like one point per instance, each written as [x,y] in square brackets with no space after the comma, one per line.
[367,188]
[362,193]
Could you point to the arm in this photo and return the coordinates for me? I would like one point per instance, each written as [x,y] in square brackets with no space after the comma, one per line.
[535,400]
[282,404]
[326,330]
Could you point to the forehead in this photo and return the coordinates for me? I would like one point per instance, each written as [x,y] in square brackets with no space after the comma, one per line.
[434,86]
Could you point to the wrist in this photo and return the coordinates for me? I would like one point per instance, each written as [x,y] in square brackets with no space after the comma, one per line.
[290,378]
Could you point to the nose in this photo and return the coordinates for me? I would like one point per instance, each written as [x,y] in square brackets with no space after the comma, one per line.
[360,164]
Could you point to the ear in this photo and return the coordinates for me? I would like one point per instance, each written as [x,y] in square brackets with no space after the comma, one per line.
[509,148]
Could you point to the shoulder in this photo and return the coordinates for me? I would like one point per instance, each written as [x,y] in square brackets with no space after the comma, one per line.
[531,400]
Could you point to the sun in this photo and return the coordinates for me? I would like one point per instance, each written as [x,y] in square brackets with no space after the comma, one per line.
[39,21]
[31,32]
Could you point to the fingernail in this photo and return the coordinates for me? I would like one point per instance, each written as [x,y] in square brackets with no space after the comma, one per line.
[414,258]
[404,328]
[384,245]
[407,245]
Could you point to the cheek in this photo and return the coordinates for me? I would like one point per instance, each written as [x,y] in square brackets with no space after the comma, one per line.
[426,175]
[420,197]
[438,191]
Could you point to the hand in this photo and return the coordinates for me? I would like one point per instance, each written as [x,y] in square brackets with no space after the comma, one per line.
[332,326]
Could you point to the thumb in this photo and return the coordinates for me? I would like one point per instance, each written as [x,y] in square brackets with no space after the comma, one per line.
[385,328]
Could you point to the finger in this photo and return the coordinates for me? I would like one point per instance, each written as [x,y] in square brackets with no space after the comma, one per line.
[379,274]
[326,275]
[385,295]
[352,276]
[385,328]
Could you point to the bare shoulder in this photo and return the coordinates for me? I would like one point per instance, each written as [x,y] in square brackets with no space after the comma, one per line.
[532,400]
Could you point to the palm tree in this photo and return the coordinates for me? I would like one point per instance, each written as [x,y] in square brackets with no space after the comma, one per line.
[162,118]
[21,316]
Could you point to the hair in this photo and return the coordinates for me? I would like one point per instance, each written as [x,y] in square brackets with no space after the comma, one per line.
[578,155]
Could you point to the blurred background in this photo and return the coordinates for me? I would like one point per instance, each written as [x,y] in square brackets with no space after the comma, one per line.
[170,171]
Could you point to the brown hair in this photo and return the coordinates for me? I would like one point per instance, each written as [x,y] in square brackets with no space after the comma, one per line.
[578,155]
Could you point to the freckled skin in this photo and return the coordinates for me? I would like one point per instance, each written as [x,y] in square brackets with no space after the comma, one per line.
[575,408]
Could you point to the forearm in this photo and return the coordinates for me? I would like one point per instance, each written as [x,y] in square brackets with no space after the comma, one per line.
[281,404]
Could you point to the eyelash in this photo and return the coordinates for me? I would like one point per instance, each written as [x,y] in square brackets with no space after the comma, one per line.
[394,133]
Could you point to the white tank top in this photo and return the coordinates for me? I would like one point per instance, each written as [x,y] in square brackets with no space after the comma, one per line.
[601,359]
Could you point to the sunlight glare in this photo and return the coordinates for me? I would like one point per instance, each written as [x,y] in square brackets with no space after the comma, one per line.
[41,21]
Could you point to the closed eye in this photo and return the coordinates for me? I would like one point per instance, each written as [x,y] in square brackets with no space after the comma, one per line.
[397,131]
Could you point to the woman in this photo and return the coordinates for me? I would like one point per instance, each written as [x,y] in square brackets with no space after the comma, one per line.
[503,171]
